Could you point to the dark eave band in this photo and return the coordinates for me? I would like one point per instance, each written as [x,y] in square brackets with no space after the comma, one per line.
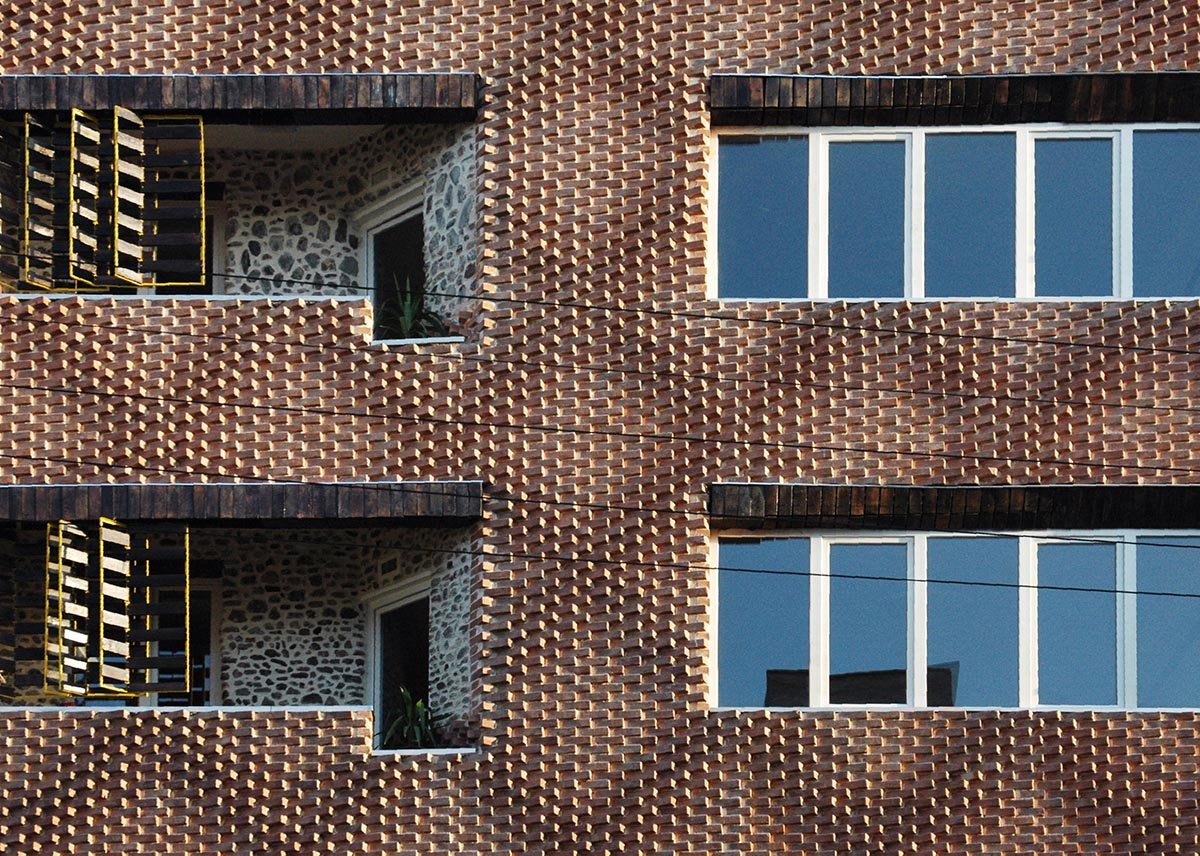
[969,509]
[831,101]
[258,98]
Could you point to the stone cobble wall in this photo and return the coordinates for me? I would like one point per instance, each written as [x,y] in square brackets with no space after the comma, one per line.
[292,223]
[294,624]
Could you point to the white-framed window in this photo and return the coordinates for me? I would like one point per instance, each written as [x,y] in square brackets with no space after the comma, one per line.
[1056,619]
[990,212]
[393,259]
[397,648]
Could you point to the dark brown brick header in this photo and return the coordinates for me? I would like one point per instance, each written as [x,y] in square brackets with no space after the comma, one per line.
[426,502]
[442,96]
[787,506]
[770,99]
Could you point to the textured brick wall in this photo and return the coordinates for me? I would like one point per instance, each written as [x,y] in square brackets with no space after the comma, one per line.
[304,781]
[592,677]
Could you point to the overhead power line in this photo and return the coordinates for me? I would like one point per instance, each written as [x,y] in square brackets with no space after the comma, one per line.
[610,433]
[805,382]
[687,566]
[906,332]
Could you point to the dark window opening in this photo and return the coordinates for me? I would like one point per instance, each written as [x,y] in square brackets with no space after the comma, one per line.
[402,659]
[398,271]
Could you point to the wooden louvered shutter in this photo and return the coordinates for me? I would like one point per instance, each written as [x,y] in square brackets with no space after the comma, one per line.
[174,202]
[8,635]
[117,605]
[112,644]
[97,204]
[159,623]
[68,625]
[89,207]
[129,174]
[12,203]
[44,227]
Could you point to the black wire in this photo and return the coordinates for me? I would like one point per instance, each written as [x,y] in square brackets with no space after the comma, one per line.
[658,373]
[910,332]
[676,566]
[654,436]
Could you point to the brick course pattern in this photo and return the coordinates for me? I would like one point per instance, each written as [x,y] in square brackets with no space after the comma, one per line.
[589,669]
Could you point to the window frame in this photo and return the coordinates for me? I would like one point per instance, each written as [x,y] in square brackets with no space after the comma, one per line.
[1026,138]
[401,204]
[412,588]
[917,590]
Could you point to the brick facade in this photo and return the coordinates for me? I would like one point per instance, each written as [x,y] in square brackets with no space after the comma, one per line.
[590,678]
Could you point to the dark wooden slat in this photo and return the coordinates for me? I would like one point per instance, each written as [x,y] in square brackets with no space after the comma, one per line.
[142,635]
[157,554]
[165,662]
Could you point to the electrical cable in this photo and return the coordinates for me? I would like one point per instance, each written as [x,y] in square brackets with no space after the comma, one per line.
[909,332]
[677,566]
[653,436]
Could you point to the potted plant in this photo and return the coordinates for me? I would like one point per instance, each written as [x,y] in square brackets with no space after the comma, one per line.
[411,726]
[402,312]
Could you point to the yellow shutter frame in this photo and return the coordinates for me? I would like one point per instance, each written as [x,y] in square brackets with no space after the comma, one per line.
[68,622]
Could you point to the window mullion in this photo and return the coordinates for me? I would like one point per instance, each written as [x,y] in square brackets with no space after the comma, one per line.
[918,591]
[1027,647]
[915,228]
[818,623]
[1123,213]
[1025,270]
[818,217]
[1127,623]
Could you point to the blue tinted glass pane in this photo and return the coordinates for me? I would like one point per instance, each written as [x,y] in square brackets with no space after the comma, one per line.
[1077,631]
[762,621]
[1166,213]
[972,628]
[1168,628]
[762,217]
[1073,214]
[970,215]
[866,219]
[868,624]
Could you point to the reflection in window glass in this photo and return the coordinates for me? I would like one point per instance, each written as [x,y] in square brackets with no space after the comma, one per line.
[1077,630]
[970,215]
[762,217]
[868,632]
[972,628]
[866,219]
[762,637]
[1168,628]
[1074,218]
[1166,213]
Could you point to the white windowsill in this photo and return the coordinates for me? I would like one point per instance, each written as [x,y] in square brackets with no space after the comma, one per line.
[404,753]
[431,340]
[56,295]
[825,301]
[901,708]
